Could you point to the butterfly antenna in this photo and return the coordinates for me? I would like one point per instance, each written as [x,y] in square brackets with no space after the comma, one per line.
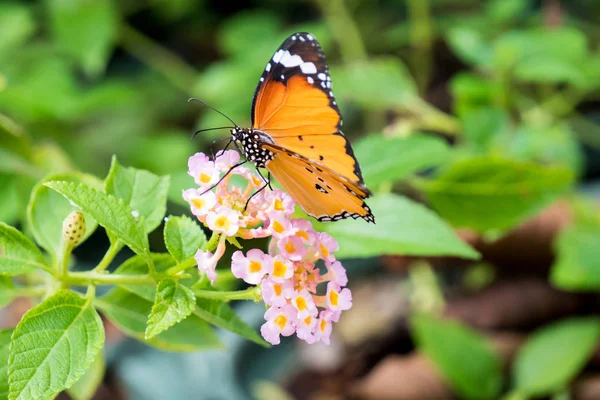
[211,107]
[210,129]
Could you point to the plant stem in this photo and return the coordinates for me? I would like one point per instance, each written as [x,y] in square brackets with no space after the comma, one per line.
[182,266]
[421,39]
[34,291]
[173,68]
[112,251]
[252,293]
[92,277]
[213,242]
[344,29]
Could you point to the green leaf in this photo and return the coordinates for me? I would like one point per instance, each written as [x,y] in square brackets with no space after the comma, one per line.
[138,265]
[86,30]
[10,204]
[543,55]
[129,312]
[507,11]
[143,191]
[403,227]
[554,355]
[6,291]
[53,346]
[213,311]
[16,25]
[464,357]
[222,315]
[470,46]
[18,255]
[87,385]
[390,159]
[110,212]
[577,266]
[174,302]
[376,84]
[183,237]
[495,194]
[5,335]
[47,210]
[483,126]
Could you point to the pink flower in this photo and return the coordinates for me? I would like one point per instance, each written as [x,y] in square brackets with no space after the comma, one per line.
[305,329]
[223,220]
[304,230]
[323,327]
[337,298]
[337,273]
[224,160]
[279,225]
[203,170]
[251,268]
[207,262]
[274,294]
[280,321]
[304,304]
[200,205]
[291,247]
[278,200]
[327,245]
[280,269]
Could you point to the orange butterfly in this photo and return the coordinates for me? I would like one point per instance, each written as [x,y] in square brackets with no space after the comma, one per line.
[296,134]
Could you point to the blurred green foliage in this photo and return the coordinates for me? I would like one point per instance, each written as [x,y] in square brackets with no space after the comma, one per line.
[483,108]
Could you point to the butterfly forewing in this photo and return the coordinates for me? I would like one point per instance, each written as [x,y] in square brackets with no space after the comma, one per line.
[295,107]
[294,103]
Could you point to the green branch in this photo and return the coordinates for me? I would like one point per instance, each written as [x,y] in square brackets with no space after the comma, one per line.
[252,293]
[344,29]
[168,64]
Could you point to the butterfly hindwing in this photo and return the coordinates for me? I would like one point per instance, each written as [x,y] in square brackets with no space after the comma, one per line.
[294,104]
[322,193]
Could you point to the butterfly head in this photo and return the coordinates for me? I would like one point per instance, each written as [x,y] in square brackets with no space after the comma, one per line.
[251,142]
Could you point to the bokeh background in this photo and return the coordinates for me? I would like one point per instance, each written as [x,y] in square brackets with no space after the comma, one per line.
[81,80]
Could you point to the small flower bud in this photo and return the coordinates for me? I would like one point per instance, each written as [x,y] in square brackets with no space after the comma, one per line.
[73,228]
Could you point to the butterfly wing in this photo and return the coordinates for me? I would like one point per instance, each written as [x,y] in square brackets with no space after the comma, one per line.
[295,106]
[322,193]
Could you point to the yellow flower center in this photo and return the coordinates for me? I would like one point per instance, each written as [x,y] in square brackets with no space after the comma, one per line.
[278,205]
[302,234]
[289,247]
[256,181]
[323,325]
[281,321]
[222,223]
[300,303]
[204,178]
[308,320]
[334,298]
[198,203]
[279,269]
[278,227]
[255,266]
[278,289]
[324,251]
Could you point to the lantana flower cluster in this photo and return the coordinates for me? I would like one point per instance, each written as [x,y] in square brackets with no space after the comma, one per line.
[301,298]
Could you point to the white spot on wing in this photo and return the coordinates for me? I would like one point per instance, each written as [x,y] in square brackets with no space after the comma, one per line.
[308,68]
[268,67]
[321,76]
[277,56]
[310,80]
[289,61]
[310,37]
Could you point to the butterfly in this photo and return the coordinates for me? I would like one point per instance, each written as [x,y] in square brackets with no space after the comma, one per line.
[296,134]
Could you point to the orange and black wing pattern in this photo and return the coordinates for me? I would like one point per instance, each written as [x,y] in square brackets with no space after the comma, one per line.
[295,107]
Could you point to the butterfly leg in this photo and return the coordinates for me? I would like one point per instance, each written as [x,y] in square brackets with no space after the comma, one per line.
[267,183]
[224,176]
[221,152]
